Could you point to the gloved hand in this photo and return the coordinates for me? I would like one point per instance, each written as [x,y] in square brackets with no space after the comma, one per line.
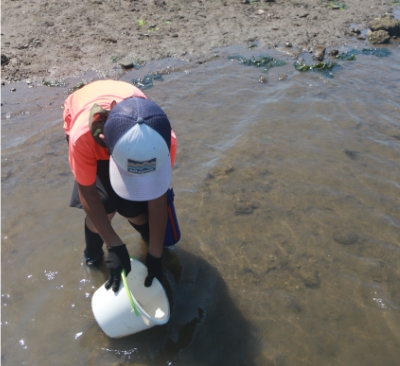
[154,270]
[117,260]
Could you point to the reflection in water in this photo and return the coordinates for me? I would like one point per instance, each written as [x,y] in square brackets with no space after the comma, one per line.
[205,328]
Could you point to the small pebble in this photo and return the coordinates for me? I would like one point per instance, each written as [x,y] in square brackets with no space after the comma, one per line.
[282,77]
[262,79]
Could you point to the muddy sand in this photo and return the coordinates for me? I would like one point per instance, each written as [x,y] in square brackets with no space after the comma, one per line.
[55,40]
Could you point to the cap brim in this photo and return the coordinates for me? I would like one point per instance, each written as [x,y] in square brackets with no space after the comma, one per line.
[143,187]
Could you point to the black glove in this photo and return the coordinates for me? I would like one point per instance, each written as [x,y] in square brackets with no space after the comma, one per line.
[153,269]
[117,260]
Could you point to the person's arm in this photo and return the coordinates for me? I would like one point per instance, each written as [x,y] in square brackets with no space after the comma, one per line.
[118,256]
[94,208]
[158,221]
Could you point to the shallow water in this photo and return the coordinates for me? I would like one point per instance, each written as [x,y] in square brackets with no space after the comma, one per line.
[287,194]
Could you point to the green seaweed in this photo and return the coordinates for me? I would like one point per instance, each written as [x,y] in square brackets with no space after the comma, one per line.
[252,45]
[319,66]
[264,61]
[56,83]
[147,81]
[76,87]
[396,2]
[274,63]
[138,63]
[378,52]
[337,4]
[351,55]
[114,59]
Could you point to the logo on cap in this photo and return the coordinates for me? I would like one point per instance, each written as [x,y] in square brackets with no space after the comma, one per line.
[142,167]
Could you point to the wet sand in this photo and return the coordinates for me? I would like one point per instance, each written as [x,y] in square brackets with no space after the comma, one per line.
[58,39]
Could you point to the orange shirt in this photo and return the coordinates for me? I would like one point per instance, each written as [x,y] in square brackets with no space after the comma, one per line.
[84,152]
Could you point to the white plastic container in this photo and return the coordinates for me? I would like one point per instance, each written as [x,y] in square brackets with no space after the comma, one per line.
[115,311]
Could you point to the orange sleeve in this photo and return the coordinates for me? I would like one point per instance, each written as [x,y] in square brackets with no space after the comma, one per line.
[83,161]
[67,117]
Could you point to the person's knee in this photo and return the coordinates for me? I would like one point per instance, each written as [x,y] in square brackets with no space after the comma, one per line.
[90,224]
[139,220]
[143,229]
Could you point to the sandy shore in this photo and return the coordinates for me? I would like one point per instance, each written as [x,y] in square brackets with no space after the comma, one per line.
[59,39]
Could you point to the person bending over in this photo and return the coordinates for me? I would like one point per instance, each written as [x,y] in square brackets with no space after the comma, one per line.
[121,152]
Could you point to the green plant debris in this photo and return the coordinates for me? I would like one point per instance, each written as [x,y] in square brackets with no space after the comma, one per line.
[396,2]
[264,61]
[337,5]
[253,45]
[56,83]
[349,56]
[319,66]
[138,63]
[147,81]
[378,52]
[141,22]
[76,87]
[114,59]
[274,63]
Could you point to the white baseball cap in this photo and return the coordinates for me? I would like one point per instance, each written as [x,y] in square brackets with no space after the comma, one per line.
[138,136]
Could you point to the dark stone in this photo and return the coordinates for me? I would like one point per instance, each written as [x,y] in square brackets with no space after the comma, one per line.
[310,278]
[319,56]
[351,154]
[4,60]
[282,77]
[126,64]
[345,238]
[389,25]
[245,209]
[111,40]
[378,37]
[320,49]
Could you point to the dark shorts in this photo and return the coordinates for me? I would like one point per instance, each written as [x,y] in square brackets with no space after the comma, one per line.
[111,201]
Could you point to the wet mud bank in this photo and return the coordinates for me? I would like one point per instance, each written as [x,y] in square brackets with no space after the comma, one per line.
[56,40]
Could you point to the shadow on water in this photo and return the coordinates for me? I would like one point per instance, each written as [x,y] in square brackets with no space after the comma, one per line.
[205,327]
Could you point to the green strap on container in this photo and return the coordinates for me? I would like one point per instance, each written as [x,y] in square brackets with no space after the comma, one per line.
[128,292]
